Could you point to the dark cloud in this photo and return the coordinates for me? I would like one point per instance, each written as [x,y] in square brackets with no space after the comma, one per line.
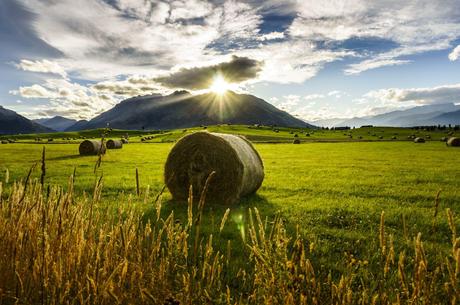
[237,70]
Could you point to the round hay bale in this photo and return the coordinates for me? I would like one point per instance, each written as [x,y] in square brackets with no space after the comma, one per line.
[125,141]
[238,166]
[114,144]
[453,142]
[4,142]
[296,141]
[419,140]
[91,147]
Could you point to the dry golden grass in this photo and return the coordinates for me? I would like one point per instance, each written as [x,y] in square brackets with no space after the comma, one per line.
[60,249]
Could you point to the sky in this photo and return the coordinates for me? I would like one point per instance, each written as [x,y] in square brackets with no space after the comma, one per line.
[315,59]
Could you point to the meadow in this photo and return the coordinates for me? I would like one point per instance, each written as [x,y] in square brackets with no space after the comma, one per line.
[330,191]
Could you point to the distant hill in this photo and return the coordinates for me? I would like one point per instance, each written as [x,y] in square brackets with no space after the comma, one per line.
[443,114]
[79,125]
[182,110]
[57,123]
[14,123]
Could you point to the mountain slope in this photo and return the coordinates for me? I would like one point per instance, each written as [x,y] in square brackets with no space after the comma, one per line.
[57,123]
[182,110]
[13,123]
[79,125]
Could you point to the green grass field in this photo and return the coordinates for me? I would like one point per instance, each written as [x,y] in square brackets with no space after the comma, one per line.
[333,192]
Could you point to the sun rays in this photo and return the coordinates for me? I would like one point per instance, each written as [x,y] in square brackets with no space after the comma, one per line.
[219,85]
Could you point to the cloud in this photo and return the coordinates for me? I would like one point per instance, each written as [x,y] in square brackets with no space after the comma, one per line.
[237,70]
[373,64]
[455,54]
[128,88]
[421,96]
[42,66]
[413,26]
[67,98]
[271,36]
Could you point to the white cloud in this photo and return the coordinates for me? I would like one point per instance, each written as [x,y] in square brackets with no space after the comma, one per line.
[67,98]
[42,66]
[314,96]
[271,36]
[415,26]
[420,96]
[455,54]
[373,64]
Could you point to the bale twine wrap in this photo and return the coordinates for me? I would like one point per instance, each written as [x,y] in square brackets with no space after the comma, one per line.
[453,142]
[92,147]
[419,140]
[114,144]
[238,167]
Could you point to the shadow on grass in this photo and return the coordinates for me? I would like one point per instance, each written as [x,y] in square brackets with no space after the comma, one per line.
[69,157]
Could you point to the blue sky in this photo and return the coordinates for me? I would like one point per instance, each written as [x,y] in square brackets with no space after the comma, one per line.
[315,59]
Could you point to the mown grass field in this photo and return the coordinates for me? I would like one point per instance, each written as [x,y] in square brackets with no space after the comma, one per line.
[332,193]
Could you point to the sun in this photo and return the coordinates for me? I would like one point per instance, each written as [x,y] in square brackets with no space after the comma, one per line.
[219,85]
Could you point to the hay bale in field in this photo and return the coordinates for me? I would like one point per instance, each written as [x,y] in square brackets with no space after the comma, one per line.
[238,166]
[307,134]
[381,137]
[419,140]
[125,141]
[92,147]
[296,136]
[114,144]
[4,142]
[453,142]
[444,139]
[393,138]
[296,141]
[50,140]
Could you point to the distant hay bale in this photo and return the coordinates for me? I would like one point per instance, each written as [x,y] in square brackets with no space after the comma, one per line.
[125,141]
[453,142]
[307,134]
[296,136]
[444,139]
[393,138]
[4,142]
[92,147]
[114,144]
[419,140]
[50,140]
[381,137]
[296,141]
[238,167]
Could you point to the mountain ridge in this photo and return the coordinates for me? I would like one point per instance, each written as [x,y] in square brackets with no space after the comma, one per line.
[183,110]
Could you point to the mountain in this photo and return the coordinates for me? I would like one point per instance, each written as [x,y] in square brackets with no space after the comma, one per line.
[416,116]
[79,125]
[448,118]
[57,123]
[13,123]
[182,110]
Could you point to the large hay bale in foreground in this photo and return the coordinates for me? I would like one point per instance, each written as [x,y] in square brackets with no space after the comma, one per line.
[238,166]
[114,144]
[419,140]
[92,147]
[453,142]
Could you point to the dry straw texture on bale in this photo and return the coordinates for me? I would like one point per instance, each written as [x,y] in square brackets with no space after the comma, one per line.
[92,147]
[114,144]
[238,167]
[419,140]
[453,142]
